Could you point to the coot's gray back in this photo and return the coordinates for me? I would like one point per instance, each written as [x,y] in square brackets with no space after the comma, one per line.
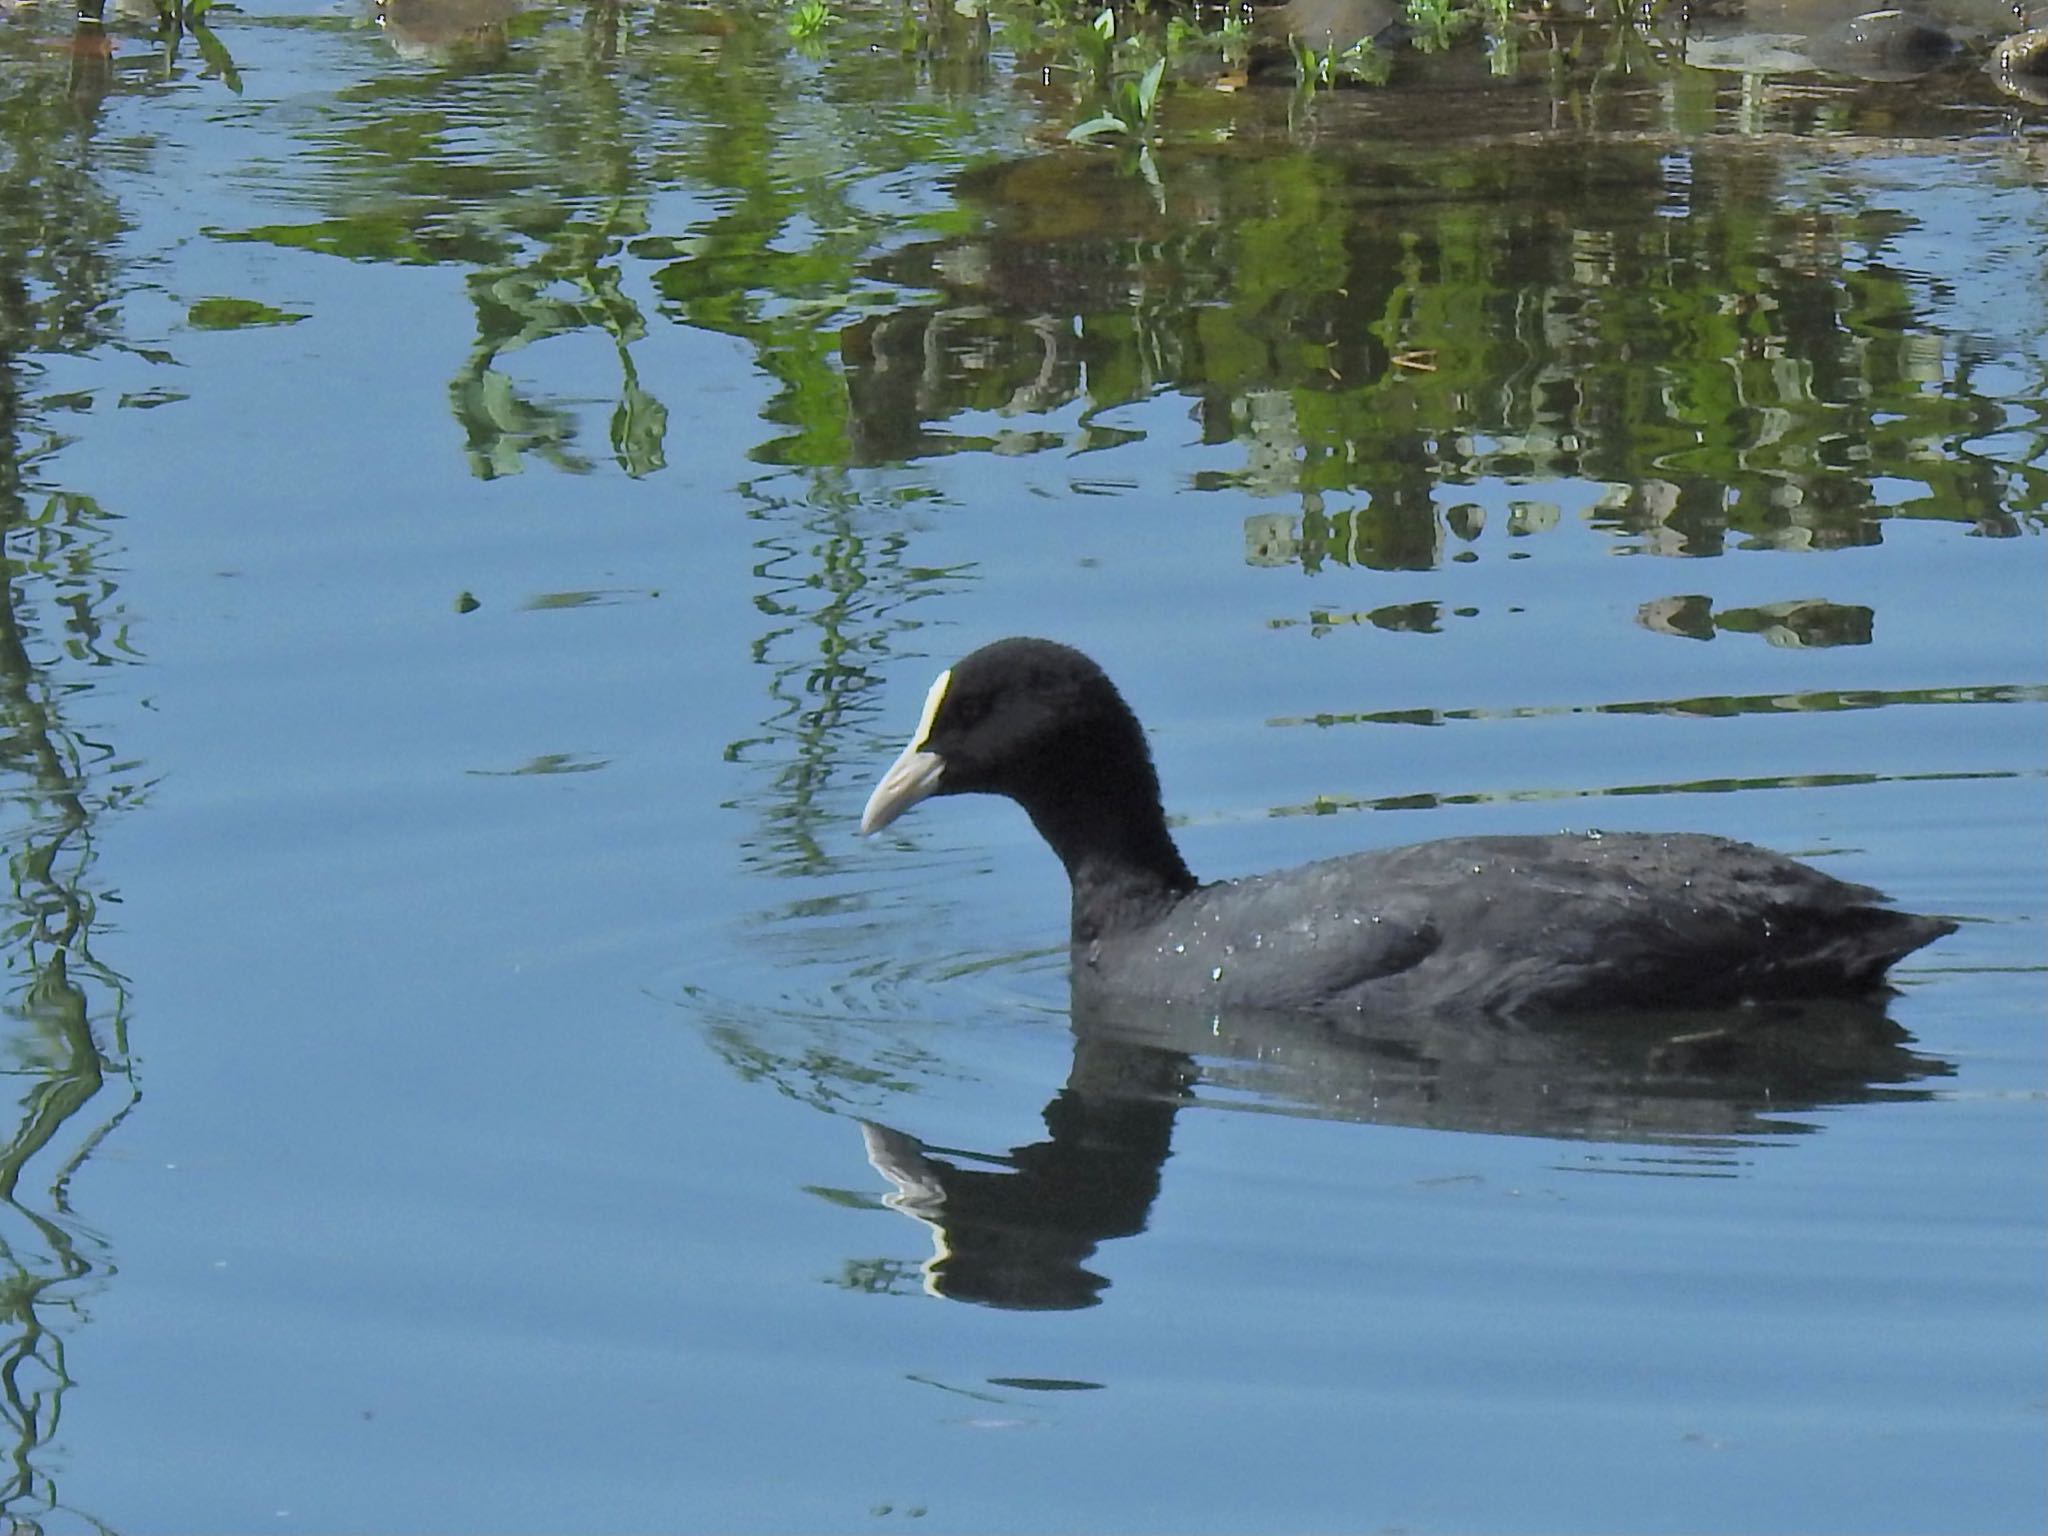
[1516,925]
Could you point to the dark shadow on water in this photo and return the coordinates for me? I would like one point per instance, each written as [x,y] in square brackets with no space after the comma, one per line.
[1019,1228]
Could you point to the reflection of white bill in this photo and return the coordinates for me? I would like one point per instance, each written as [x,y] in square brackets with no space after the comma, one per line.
[900,1159]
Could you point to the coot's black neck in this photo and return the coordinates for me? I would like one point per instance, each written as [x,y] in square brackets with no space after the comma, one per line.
[1109,831]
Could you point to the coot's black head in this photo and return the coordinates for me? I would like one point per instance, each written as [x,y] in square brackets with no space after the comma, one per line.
[1042,724]
[1016,718]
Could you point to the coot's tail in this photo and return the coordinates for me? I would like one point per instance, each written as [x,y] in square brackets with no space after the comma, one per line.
[1854,948]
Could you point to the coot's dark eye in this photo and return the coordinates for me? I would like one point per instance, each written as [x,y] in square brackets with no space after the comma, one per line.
[965,713]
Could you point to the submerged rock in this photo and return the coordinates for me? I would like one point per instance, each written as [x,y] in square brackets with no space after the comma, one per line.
[1846,37]
[436,28]
[2019,65]
[1335,25]
[1885,45]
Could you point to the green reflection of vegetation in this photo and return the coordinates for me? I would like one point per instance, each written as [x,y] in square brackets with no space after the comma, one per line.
[1720,706]
[814,1075]
[1610,287]
[551,204]
[65,1010]
[1802,624]
[880,1277]
[1395,324]
[1827,700]
[1330,805]
[832,592]
[182,21]
[835,588]
[219,314]
[64,1016]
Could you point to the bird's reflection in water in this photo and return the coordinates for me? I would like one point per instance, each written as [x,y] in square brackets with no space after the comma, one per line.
[1018,1229]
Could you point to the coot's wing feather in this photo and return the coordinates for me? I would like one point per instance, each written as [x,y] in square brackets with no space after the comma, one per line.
[1511,924]
[1296,940]
[1638,919]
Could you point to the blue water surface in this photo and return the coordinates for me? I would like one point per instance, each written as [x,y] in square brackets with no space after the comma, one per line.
[473,663]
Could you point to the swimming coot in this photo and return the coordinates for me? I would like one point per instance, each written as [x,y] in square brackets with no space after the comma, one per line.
[1496,924]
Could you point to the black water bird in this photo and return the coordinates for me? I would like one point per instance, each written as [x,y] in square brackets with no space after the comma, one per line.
[1499,925]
